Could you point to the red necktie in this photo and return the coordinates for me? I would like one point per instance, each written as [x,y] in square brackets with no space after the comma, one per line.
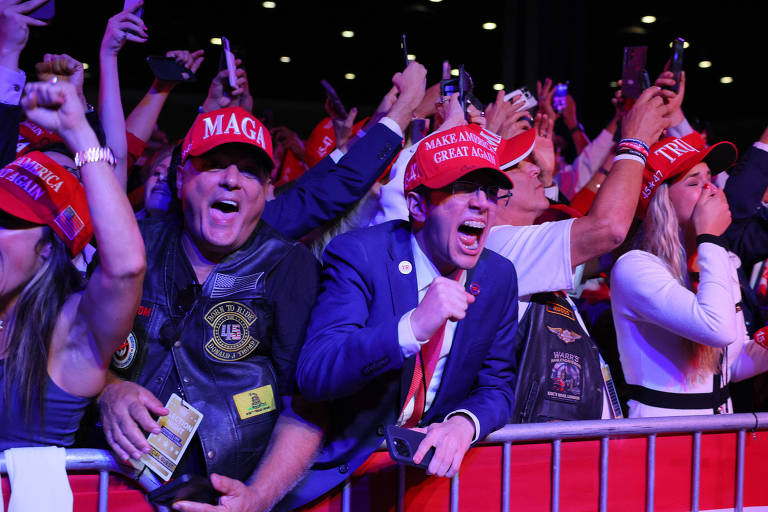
[426,362]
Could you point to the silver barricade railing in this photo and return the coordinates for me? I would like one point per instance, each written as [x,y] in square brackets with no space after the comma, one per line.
[604,430]
[104,463]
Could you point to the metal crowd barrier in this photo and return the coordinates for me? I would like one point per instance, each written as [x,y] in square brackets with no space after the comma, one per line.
[103,463]
[604,430]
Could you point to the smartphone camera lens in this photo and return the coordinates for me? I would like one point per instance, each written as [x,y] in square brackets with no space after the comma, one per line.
[402,448]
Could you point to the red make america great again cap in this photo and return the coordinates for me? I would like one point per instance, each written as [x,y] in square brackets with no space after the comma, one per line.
[223,126]
[36,189]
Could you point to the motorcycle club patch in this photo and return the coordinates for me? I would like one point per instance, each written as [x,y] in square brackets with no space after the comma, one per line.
[124,356]
[564,377]
[232,338]
[565,335]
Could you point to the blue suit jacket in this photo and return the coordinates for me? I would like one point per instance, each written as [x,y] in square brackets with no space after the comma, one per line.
[328,190]
[352,356]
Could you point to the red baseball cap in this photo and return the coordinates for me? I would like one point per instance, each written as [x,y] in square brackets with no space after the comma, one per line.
[672,157]
[322,141]
[37,189]
[512,151]
[446,156]
[223,126]
[32,137]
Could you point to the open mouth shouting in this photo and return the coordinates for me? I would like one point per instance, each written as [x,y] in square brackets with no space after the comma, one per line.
[470,235]
[224,210]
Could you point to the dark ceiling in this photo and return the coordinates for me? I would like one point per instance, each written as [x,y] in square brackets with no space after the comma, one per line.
[577,41]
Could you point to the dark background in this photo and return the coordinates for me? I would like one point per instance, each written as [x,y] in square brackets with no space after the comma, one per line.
[581,42]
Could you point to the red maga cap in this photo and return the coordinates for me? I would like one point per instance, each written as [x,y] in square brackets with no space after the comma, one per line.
[672,157]
[223,126]
[446,156]
[36,189]
[33,137]
[512,151]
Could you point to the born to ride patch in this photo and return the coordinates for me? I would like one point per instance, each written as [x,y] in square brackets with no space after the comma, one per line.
[232,338]
[254,402]
[124,356]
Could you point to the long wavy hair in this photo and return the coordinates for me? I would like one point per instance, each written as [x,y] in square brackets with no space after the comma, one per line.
[660,234]
[31,324]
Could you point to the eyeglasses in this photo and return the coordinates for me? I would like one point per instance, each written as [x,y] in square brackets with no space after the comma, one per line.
[464,189]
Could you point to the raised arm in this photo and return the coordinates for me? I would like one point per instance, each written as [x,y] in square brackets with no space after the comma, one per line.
[608,221]
[121,27]
[108,305]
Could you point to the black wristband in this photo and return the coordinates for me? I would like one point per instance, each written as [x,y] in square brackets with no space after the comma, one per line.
[712,239]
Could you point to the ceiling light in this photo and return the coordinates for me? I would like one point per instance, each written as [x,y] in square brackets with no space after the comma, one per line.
[347,33]
[435,1]
[86,65]
[498,87]
[454,72]
[705,64]
[648,19]
[411,56]
[726,80]
[285,59]
[268,5]
[489,25]
[686,44]
[349,76]
[613,84]
[216,41]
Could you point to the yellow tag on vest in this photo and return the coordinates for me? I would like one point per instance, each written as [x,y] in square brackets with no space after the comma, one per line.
[254,402]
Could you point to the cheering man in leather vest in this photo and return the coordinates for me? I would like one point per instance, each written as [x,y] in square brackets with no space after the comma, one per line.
[560,375]
[221,322]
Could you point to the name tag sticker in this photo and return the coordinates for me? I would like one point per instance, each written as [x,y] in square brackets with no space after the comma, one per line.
[254,402]
[176,431]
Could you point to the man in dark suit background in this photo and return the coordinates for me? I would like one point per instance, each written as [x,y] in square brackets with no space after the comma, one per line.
[415,322]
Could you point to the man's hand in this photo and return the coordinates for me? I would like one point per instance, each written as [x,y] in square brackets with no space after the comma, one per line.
[62,67]
[711,215]
[14,29]
[126,406]
[569,113]
[342,129]
[190,60]
[221,95]
[516,123]
[546,92]
[648,117]
[411,86]
[445,300]
[237,497]
[674,100]
[451,439]
[123,26]
[544,150]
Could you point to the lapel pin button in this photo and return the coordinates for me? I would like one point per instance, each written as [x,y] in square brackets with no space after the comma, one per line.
[474,289]
[405,267]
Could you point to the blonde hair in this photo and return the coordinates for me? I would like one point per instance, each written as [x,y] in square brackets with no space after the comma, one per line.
[661,236]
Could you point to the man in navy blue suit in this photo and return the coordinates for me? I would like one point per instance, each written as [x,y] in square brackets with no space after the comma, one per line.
[415,322]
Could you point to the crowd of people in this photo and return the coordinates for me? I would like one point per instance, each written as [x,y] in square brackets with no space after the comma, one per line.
[437,266]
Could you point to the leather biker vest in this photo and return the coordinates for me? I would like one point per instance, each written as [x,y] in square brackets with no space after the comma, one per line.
[219,339]
[559,376]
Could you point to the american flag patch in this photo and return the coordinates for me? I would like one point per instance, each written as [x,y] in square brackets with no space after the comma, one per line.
[225,285]
[69,222]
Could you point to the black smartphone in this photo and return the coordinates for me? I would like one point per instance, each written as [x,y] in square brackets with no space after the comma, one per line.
[166,68]
[187,487]
[631,73]
[676,64]
[45,12]
[645,80]
[402,443]
[449,86]
[418,129]
[404,47]
[334,102]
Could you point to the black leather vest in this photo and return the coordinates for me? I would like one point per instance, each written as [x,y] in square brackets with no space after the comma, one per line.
[219,339]
[559,377]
